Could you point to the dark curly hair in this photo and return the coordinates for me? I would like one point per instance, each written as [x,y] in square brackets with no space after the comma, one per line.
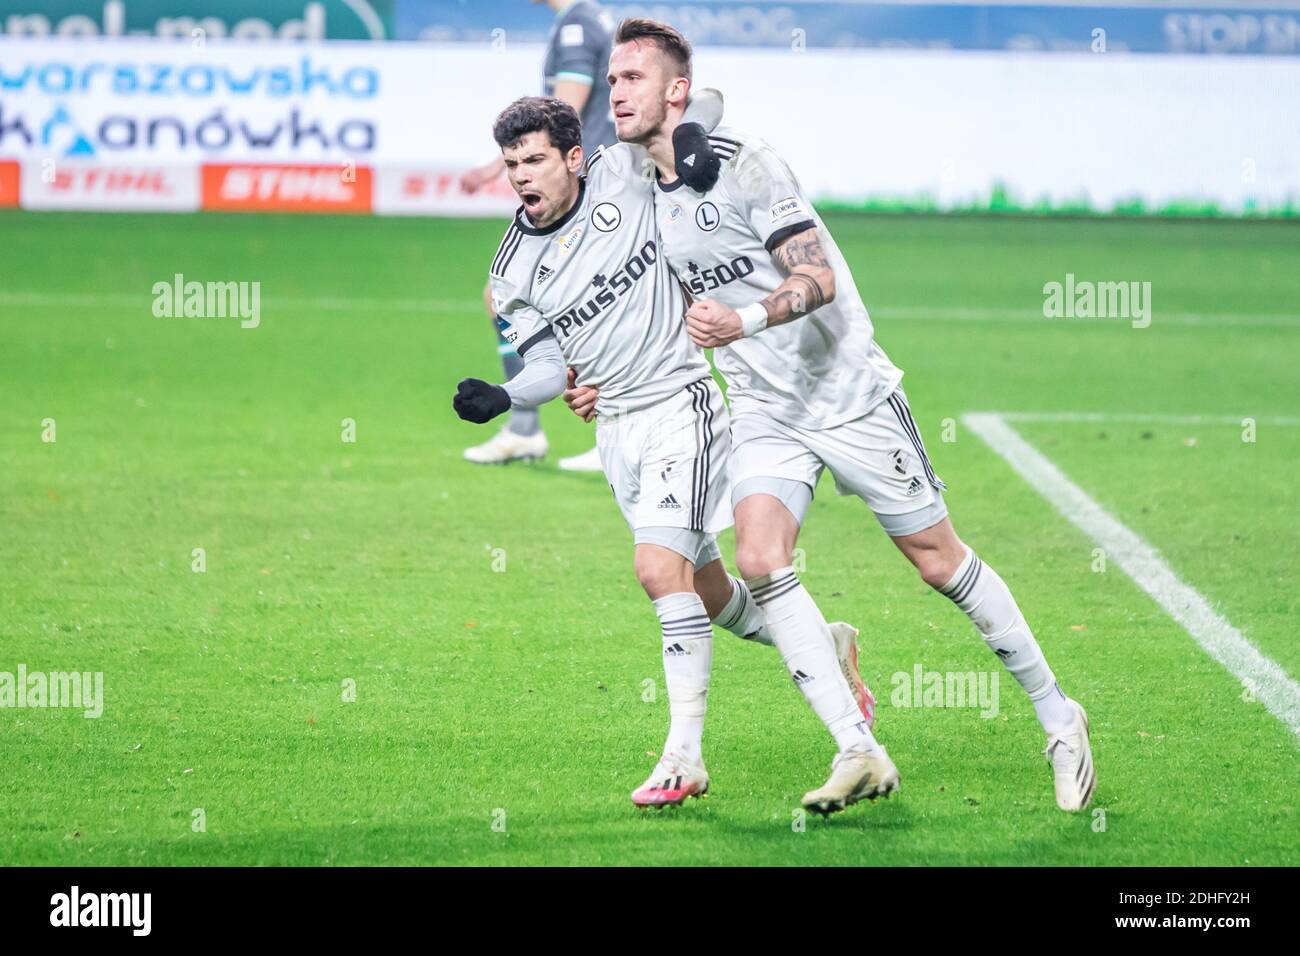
[534,114]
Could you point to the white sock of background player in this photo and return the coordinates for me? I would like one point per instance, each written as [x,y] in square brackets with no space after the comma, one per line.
[743,617]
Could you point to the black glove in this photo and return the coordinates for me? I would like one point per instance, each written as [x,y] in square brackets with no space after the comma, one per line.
[477,401]
[696,162]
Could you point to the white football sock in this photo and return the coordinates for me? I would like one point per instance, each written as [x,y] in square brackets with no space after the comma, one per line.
[688,656]
[802,636]
[986,600]
[742,616]
[1054,711]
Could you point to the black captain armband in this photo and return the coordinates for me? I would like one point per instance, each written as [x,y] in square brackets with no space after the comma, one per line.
[532,340]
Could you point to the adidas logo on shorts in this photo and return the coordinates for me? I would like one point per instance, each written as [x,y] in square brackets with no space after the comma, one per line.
[913,487]
[801,678]
[671,502]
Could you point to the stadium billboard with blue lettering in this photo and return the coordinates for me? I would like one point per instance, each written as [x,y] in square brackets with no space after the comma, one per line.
[1038,109]
[837,24]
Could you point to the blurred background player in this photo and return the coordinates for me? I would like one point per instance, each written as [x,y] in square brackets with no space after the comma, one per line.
[575,71]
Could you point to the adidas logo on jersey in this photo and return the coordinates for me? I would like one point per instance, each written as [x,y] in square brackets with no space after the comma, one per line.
[544,273]
[801,678]
[676,650]
[671,502]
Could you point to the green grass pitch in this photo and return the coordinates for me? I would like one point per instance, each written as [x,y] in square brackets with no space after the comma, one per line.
[499,714]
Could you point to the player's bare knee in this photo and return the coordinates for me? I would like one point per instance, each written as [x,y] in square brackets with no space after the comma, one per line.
[651,577]
[659,576]
[755,559]
[936,567]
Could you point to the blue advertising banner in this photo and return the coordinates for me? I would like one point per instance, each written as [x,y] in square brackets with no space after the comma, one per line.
[1213,27]
[1123,27]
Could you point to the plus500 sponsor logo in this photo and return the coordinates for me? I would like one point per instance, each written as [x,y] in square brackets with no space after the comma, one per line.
[706,280]
[193,80]
[611,289]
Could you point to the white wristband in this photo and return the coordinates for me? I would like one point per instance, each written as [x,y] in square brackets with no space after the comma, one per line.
[753,319]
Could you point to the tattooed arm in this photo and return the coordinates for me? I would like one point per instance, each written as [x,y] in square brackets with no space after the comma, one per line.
[809,280]
[809,284]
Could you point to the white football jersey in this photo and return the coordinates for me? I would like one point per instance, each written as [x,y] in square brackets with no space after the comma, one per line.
[816,371]
[597,280]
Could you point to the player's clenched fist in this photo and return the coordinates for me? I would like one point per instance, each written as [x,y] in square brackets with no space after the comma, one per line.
[712,324]
[477,401]
[581,399]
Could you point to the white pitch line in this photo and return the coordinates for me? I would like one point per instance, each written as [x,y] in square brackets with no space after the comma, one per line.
[1258,673]
[1143,418]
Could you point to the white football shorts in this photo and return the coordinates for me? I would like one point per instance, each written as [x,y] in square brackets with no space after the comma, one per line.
[879,457]
[667,464]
